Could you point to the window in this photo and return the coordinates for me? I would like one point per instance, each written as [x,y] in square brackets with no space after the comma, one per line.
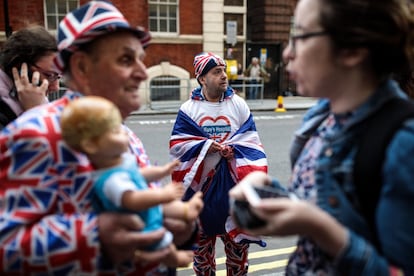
[234,3]
[55,10]
[163,16]
[165,88]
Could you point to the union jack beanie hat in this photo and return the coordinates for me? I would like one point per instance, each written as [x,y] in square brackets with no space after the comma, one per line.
[89,21]
[204,62]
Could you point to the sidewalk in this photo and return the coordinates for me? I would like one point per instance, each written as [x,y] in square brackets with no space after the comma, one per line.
[289,103]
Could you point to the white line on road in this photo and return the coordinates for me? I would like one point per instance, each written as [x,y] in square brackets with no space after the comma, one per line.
[172,121]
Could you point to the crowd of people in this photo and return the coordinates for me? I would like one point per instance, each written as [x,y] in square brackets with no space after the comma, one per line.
[79,195]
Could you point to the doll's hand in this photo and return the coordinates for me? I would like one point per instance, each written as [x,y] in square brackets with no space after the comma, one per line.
[174,190]
[193,207]
[169,167]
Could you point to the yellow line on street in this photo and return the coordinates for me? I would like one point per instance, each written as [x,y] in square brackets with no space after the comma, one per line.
[258,267]
[263,254]
[256,255]
[274,252]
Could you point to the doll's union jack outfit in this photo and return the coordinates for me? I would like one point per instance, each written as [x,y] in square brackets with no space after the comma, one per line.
[47,225]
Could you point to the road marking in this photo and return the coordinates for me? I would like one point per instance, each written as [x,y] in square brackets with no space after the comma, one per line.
[269,253]
[267,266]
[274,117]
[255,255]
[172,121]
[151,122]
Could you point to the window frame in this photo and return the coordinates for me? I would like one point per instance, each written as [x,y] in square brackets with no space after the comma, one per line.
[56,14]
[168,19]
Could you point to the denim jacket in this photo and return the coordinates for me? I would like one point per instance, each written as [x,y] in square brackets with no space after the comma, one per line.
[334,180]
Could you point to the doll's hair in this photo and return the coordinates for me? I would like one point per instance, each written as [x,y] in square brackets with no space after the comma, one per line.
[88,118]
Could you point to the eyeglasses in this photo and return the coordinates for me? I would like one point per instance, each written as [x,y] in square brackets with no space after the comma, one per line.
[51,76]
[294,38]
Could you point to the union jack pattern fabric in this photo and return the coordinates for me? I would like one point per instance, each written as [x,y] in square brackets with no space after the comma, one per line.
[206,61]
[190,142]
[47,225]
[89,21]
[237,263]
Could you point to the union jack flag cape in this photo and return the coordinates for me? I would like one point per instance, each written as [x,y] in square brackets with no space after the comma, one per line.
[215,175]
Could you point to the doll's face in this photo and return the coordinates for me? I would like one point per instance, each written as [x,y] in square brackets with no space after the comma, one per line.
[113,142]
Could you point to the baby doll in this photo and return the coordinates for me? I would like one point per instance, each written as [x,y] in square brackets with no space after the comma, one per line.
[93,126]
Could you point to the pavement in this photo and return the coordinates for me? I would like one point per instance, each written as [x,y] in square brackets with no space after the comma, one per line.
[285,103]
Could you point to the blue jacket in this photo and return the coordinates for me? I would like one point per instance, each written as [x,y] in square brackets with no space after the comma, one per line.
[334,179]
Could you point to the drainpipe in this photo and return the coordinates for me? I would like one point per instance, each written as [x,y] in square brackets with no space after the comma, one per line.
[8,29]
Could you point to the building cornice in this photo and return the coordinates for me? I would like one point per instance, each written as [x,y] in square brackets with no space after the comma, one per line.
[176,39]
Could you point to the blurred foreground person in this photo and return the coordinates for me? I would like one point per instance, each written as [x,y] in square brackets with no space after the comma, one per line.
[345,53]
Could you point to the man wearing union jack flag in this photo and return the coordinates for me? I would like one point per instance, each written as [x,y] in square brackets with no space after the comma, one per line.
[216,140]
[47,223]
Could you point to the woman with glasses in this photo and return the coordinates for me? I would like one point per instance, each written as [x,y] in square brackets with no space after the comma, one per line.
[27,73]
[345,53]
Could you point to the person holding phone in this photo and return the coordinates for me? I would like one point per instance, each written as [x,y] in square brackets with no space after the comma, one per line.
[346,53]
[26,76]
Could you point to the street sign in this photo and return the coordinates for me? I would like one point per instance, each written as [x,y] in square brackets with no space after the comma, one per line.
[231,30]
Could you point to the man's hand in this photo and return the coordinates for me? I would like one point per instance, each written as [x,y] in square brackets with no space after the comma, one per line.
[215,147]
[120,238]
[227,152]
[182,230]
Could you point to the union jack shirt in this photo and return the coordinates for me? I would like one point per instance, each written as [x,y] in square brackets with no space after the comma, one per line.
[47,225]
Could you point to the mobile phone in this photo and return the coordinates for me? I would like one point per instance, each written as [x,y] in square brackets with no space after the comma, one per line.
[13,93]
[241,209]
[30,76]
[254,194]
[243,216]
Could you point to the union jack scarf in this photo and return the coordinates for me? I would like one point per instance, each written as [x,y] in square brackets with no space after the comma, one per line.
[190,143]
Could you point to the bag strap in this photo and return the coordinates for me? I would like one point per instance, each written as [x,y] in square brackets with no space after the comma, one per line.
[378,130]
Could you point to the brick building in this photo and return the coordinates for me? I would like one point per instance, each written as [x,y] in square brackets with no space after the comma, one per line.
[234,29]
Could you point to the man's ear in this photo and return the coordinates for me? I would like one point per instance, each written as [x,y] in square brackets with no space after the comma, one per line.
[352,57]
[79,64]
[89,146]
[201,79]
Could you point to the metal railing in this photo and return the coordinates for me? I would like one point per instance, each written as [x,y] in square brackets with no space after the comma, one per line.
[243,86]
[170,92]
